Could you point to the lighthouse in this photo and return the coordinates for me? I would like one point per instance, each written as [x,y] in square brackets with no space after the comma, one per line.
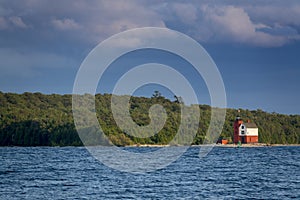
[237,123]
[244,132]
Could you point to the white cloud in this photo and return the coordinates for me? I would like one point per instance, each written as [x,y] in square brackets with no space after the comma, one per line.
[276,14]
[246,23]
[65,24]
[145,37]
[11,22]
[112,17]
[17,22]
[93,22]
[186,12]
[234,24]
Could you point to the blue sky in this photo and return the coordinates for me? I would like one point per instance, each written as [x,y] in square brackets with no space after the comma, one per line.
[255,44]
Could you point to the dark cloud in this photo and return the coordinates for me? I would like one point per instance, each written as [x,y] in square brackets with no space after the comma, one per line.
[208,21]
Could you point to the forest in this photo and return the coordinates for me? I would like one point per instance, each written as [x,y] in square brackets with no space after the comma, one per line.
[36,119]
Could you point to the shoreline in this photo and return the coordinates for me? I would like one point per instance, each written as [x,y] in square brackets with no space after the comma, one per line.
[168,145]
[217,145]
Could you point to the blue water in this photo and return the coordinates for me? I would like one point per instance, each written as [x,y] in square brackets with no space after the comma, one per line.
[226,173]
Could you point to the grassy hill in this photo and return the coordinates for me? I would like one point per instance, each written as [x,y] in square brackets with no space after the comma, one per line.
[35,119]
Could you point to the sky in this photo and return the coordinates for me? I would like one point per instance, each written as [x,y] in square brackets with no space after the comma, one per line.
[255,45]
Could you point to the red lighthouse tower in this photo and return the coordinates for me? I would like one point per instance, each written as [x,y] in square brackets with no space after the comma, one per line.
[236,126]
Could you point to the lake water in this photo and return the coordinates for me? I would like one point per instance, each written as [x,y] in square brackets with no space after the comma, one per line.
[226,173]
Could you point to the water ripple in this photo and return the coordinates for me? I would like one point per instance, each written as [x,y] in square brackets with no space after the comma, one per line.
[226,173]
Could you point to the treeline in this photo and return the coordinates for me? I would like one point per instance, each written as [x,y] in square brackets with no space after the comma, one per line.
[35,119]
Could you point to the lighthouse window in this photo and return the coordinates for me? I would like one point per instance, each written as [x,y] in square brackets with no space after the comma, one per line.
[242,132]
[243,127]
